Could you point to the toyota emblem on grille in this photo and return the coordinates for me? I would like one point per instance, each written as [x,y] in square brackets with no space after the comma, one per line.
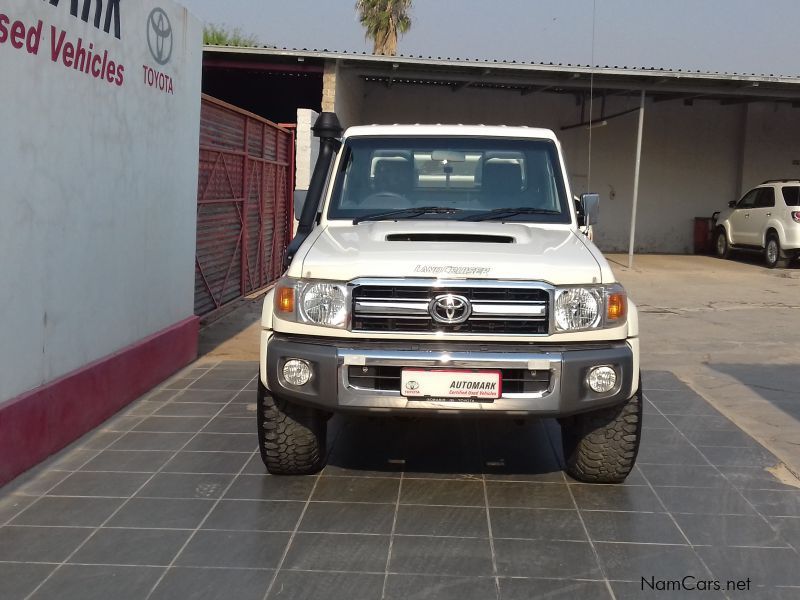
[450,309]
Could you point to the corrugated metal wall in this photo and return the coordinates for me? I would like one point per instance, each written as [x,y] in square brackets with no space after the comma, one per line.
[244,203]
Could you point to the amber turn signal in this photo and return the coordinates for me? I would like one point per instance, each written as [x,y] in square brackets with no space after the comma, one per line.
[284,299]
[617,305]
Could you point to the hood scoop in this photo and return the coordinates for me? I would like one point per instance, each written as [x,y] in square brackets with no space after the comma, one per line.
[450,238]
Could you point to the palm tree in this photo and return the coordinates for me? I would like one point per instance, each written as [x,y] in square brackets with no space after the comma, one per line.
[383,21]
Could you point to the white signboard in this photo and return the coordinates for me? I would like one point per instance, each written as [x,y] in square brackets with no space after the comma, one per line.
[98,177]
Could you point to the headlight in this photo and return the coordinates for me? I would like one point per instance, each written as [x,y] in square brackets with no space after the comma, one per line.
[321,303]
[579,308]
[324,304]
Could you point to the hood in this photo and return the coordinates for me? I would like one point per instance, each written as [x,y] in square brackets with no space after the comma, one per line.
[450,250]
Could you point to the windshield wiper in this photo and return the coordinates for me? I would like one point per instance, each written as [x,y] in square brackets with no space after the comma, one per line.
[408,213]
[509,212]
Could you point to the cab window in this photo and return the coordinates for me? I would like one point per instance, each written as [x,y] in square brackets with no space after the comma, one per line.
[749,200]
[791,195]
[765,198]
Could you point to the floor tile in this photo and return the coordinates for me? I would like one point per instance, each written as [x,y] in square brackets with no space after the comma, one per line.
[12,504]
[728,530]
[775,503]
[211,397]
[339,517]
[255,466]
[269,487]
[440,491]
[206,462]
[765,566]
[608,497]
[407,587]
[723,501]
[255,515]
[99,440]
[241,410]
[687,423]
[232,385]
[161,513]
[71,459]
[661,589]
[138,440]
[296,585]
[545,558]
[19,579]
[176,485]
[39,544]
[788,528]
[442,520]
[537,524]
[723,437]
[91,582]
[153,547]
[189,583]
[37,482]
[172,424]
[645,528]
[441,556]
[230,425]
[187,409]
[662,437]
[528,495]
[74,512]
[338,552]
[672,454]
[122,423]
[129,461]
[753,478]
[224,442]
[631,562]
[683,475]
[243,549]
[739,457]
[552,589]
[111,485]
[357,489]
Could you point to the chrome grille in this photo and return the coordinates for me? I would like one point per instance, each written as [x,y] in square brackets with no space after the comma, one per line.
[497,307]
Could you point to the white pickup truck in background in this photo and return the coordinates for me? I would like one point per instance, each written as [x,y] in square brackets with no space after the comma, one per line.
[442,270]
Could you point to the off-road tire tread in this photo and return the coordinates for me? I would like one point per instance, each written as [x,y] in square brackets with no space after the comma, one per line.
[601,446]
[292,438]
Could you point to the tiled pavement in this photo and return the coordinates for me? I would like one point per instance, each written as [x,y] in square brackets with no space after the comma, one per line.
[169,500]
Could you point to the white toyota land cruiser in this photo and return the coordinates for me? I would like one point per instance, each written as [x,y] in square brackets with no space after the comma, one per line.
[441,270]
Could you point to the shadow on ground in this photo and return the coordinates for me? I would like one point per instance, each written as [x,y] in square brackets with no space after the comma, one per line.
[778,384]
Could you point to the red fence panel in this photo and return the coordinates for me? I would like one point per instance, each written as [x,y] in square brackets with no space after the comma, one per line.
[244,200]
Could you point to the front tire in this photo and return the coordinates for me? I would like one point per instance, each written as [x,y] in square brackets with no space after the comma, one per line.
[292,438]
[721,247]
[772,253]
[601,446]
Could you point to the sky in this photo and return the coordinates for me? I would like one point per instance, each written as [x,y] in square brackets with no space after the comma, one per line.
[742,36]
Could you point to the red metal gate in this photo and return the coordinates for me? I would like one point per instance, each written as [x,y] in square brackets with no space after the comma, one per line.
[244,203]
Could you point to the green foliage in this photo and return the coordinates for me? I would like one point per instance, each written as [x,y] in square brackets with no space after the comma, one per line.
[220,35]
[383,21]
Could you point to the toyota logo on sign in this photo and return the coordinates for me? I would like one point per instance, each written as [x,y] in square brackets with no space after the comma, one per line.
[450,309]
[159,36]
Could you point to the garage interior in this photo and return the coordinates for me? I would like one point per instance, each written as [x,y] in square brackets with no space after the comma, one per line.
[705,138]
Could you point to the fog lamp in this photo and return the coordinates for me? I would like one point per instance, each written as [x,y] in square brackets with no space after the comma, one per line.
[296,371]
[602,379]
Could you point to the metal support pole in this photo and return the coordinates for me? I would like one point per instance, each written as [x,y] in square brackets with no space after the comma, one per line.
[636,179]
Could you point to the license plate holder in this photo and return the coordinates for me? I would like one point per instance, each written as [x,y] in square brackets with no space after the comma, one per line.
[468,385]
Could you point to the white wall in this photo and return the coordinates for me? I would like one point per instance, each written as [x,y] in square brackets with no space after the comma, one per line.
[97,191]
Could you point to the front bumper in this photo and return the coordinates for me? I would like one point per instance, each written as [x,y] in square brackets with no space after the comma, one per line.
[565,391]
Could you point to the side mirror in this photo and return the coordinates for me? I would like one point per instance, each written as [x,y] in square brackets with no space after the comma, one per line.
[732,204]
[590,209]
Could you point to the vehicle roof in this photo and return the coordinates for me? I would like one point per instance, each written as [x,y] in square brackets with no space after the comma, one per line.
[777,181]
[450,130]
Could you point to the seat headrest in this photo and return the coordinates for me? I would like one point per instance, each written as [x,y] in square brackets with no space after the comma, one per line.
[502,178]
[394,176]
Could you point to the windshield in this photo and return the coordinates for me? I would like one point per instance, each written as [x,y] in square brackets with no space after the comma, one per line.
[449,178]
